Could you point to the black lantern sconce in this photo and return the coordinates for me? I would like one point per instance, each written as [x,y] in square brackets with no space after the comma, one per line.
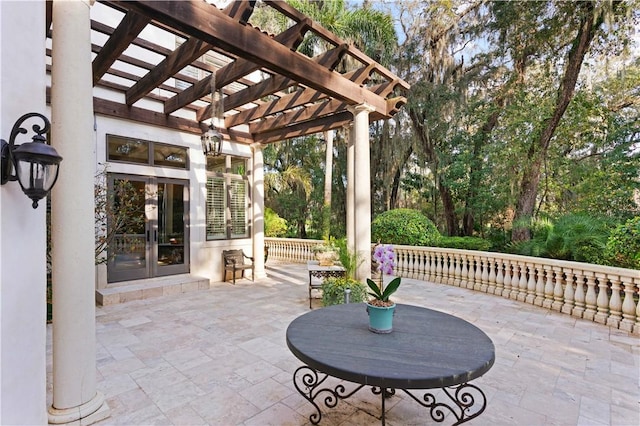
[212,138]
[33,164]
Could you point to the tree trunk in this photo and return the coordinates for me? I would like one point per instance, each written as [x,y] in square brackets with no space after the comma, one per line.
[538,150]
[449,210]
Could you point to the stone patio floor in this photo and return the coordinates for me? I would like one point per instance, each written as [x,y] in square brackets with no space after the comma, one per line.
[219,357]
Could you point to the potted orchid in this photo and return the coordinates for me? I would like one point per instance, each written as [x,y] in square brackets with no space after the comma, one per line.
[380,308]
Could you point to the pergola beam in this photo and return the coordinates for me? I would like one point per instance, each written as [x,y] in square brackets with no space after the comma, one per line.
[329,60]
[203,21]
[291,38]
[292,100]
[128,29]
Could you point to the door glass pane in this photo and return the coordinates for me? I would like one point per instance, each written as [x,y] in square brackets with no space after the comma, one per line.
[128,222]
[171,226]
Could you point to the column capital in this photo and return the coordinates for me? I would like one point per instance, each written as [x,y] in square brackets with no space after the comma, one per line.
[365,107]
[256,146]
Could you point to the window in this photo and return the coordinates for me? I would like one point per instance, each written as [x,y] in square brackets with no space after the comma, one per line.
[130,150]
[227,202]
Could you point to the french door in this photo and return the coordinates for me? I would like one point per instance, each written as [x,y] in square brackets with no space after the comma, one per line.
[152,239]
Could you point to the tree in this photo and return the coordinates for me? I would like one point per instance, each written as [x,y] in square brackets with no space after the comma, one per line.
[584,20]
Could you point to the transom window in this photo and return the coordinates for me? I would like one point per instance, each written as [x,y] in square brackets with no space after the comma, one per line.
[227,205]
[131,150]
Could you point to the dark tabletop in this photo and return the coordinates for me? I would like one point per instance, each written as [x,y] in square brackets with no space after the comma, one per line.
[427,348]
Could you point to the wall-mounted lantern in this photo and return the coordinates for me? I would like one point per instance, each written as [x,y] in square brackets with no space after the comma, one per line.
[35,164]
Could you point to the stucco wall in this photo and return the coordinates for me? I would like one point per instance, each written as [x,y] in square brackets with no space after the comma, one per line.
[22,229]
[205,255]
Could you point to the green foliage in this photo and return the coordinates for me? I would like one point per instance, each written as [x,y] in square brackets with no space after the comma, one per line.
[349,260]
[274,225]
[576,237]
[383,295]
[623,245]
[464,243]
[333,291]
[404,226]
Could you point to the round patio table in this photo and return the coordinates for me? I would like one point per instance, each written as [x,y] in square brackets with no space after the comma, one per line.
[427,349]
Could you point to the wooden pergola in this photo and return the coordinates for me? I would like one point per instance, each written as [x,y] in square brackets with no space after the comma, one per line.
[272,92]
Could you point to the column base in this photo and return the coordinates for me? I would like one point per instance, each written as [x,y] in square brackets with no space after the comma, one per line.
[88,413]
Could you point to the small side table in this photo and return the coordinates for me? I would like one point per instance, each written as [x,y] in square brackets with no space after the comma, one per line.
[322,272]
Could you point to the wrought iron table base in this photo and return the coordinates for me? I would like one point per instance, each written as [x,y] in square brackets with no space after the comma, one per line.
[463,397]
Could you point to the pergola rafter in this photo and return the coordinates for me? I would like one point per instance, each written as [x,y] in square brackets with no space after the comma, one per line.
[270,90]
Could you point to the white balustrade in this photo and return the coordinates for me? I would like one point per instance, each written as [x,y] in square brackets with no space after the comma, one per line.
[597,293]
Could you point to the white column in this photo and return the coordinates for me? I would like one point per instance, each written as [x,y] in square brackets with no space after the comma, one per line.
[362,181]
[23,274]
[328,182]
[74,332]
[350,221]
[257,199]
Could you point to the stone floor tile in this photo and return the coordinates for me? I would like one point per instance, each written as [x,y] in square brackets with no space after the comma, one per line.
[276,415]
[185,415]
[219,357]
[265,393]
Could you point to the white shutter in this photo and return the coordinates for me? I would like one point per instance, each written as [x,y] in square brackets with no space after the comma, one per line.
[216,228]
[238,207]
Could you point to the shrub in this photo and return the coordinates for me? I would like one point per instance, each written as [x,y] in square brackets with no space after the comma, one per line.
[333,291]
[464,243]
[576,237]
[623,245]
[274,225]
[405,227]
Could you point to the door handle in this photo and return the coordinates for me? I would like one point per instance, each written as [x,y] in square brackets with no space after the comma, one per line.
[148,236]
[155,236]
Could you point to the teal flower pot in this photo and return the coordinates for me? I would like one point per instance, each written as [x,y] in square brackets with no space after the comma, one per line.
[381,318]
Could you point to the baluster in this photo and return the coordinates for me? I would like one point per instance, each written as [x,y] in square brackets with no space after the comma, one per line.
[603,299]
[539,299]
[579,296]
[499,278]
[484,284]
[404,264]
[567,306]
[522,283]
[491,279]
[590,300]
[450,268]
[615,303]
[548,287]
[507,279]
[408,264]
[412,264]
[431,269]
[558,290]
[477,279]
[464,270]
[439,262]
[531,284]
[515,280]
[458,270]
[636,327]
[471,273]
[628,306]
[418,265]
